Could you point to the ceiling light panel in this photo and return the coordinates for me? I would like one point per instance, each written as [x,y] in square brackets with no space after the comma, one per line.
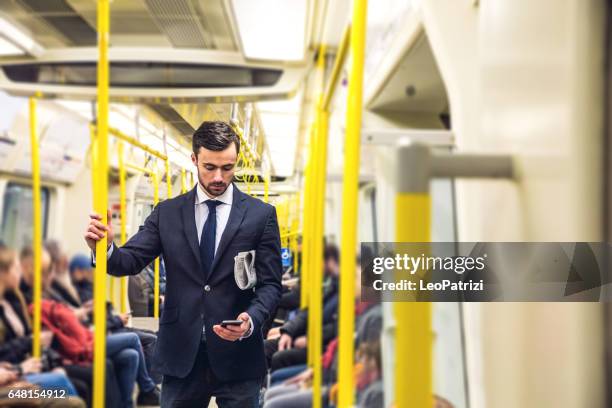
[272,29]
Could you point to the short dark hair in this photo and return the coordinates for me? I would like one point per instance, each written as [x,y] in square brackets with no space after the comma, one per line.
[216,136]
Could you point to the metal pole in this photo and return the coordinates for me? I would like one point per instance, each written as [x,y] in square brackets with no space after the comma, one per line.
[413,333]
[349,202]
[92,157]
[37,231]
[330,89]
[307,227]
[183,181]
[315,305]
[123,215]
[296,227]
[312,242]
[317,289]
[470,165]
[100,205]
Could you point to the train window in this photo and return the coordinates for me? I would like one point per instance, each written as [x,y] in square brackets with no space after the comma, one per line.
[17,219]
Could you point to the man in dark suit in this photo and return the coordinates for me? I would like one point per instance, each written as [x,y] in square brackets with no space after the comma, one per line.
[199,234]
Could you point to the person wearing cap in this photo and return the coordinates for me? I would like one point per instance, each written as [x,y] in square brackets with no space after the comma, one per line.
[82,276]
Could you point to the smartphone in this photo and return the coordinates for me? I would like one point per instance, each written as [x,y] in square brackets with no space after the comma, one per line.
[226,323]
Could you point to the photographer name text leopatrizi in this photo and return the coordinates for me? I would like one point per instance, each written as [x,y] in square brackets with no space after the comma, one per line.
[411,285]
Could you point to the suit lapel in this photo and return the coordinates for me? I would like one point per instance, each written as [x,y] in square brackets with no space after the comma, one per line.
[191,232]
[233,224]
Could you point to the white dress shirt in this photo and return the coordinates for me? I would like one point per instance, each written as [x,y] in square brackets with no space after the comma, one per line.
[223,211]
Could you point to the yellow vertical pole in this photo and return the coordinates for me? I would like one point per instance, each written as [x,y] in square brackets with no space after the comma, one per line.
[183,181]
[37,232]
[317,289]
[168,179]
[100,205]
[307,225]
[156,264]
[313,256]
[92,156]
[315,324]
[296,227]
[192,180]
[413,338]
[123,214]
[349,202]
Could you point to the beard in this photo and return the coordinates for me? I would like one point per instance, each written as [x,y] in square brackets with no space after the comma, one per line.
[214,189]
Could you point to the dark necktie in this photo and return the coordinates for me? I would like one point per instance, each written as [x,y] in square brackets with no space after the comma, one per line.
[207,240]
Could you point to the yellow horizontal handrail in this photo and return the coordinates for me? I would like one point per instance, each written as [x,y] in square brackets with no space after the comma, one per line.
[338,64]
[140,169]
[129,139]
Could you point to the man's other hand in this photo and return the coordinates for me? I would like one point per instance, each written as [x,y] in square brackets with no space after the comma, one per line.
[96,230]
[232,332]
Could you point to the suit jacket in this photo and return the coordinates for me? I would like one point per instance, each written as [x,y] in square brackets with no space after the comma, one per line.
[193,301]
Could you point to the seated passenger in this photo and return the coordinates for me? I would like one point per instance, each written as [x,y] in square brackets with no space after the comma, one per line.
[296,392]
[286,345]
[80,375]
[75,344]
[50,288]
[12,381]
[81,274]
[16,338]
[62,284]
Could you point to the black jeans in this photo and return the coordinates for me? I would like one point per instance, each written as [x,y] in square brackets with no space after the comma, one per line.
[148,339]
[195,390]
[83,376]
[288,358]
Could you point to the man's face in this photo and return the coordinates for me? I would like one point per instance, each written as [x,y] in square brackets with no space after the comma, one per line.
[216,169]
